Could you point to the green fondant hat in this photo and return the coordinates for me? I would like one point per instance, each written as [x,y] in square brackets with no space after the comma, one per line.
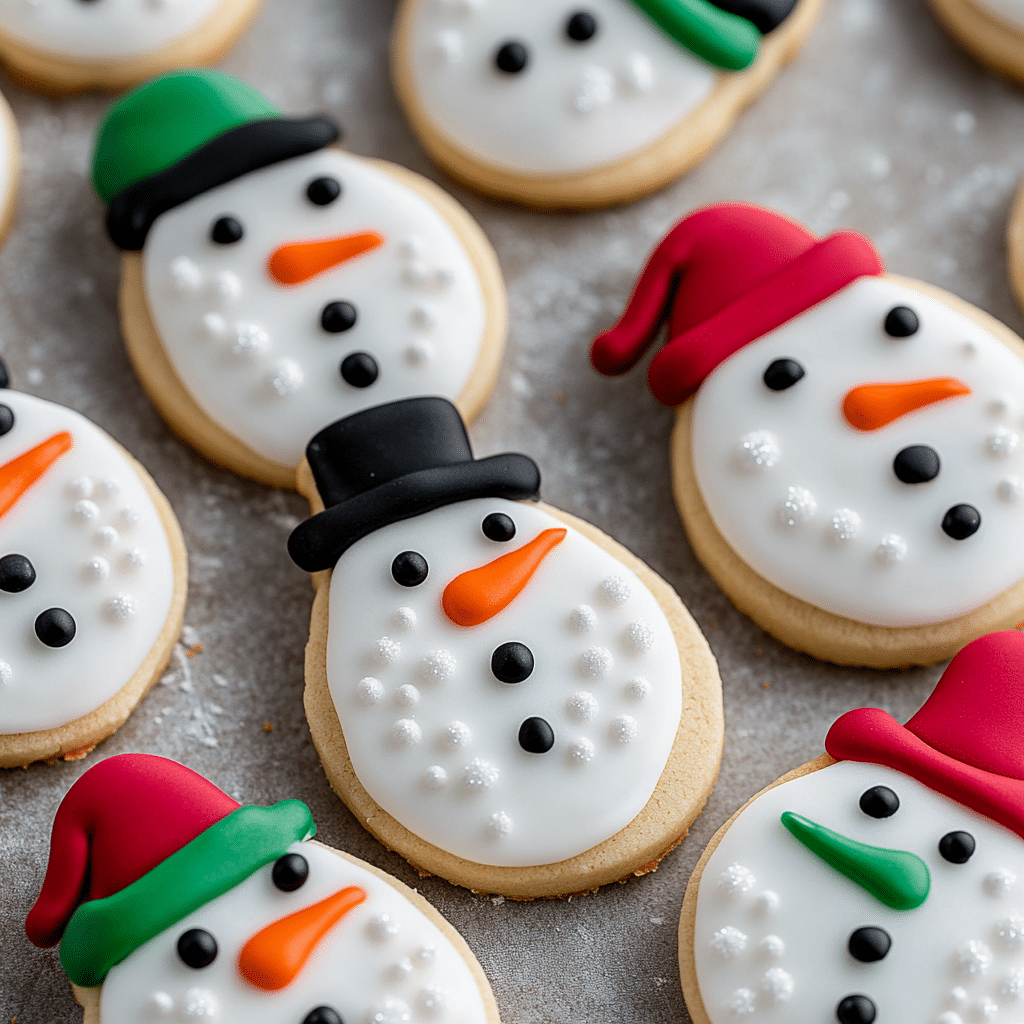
[183,133]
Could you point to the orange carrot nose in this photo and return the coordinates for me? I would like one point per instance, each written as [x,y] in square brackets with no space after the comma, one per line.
[299,261]
[18,475]
[479,594]
[273,957]
[871,406]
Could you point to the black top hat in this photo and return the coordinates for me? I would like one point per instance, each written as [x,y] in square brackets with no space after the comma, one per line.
[392,462]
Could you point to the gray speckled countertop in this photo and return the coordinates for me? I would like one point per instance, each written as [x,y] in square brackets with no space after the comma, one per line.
[881,125]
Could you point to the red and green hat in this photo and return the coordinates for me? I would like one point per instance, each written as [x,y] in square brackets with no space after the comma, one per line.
[183,133]
[140,842]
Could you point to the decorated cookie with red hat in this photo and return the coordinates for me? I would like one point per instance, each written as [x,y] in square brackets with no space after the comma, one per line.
[170,901]
[881,881]
[846,457]
[273,283]
[499,691]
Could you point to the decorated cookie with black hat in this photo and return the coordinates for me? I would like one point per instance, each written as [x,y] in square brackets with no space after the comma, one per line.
[93,575]
[273,283]
[171,901]
[589,103]
[846,459]
[498,691]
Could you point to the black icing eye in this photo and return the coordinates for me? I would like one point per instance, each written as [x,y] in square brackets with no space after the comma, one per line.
[879,802]
[226,231]
[957,847]
[359,369]
[498,526]
[6,418]
[961,522]
[901,322]
[536,736]
[323,1015]
[409,569]
[55,627]
[197,948]
[16,574]
[323,191]
[869,945]
[290,872]
[338,317]
[856,1010]
[782,374]
[917,464]
[581,26]
[512,57]
[512,662]
[5,377]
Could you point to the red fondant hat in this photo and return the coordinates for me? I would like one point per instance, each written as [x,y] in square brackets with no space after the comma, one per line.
[966,742]
[731,273]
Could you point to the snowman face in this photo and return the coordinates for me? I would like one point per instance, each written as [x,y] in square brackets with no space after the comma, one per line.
[273,337]
[381,961]
[525,738]
[895,506]
[86,578]
[585,83]
[101,28]
[782,936]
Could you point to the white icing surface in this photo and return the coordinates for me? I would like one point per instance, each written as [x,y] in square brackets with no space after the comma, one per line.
[485,798]
[73,527]
[1011,10]
[956,952]
[383,955]
[101,28]
[827,520]
[252,352]
[575,106]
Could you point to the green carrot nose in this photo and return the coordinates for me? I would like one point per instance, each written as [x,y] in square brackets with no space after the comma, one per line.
[897,878]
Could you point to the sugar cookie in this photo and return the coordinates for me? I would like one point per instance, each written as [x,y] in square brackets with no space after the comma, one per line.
[991,30]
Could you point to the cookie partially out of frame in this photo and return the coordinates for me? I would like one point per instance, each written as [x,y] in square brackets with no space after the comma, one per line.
[990,30]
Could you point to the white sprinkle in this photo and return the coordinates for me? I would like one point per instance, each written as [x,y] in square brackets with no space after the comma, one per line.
[109,487]
[442,279]
[624,728]
[958,995]
[406,732]
[423,317]
[773,946]
[433,1000]
[382,927]
[437,666]
[988,1007]
[407,696]
[595,88]
[85,510]
[161,1003]
[200,1002]
[582,706]
[973,957]
[387,651]
[741,1002]
[500,824]
[391,1011]
[129,517]
[286,377]
[1013,984]
[97,569]
[121,607]
[637,689]
[249,340]
[369,691]
[416,273]
[846,524]
[401,969]
[186,275]
[964,122]
[425,956]
[80,487]
[134,558]
[581,751]
[615,590]
[736,879]
[449,45]
[479,775]
[596,662]
[639,72]
[412,247]
[891,549]
[582,619]
[215,326]
[767,902]
[420,352]
[639,636]
[1010,488]
[456,735]
[1002,442]
[999,882]
[797,507]
[435,777]
[1011,931]
[1003,405]
[949,1017]
[728,942]
[405,618]
[106,537]
[6,673]
[778,985]
[227,286]
[758,450]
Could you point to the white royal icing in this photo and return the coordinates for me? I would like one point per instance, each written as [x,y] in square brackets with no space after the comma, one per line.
[101,28]
[825,518]
[460,780]
[1010,10]
[383,963]
[958,952]
[252,352]
[111,570]
[575,106]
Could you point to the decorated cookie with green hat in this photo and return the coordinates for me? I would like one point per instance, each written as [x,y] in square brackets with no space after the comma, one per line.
[584,104]
[272,283]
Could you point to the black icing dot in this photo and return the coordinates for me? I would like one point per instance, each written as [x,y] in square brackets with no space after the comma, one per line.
[55,627]
[536,736]
[338,317]
[498,526]
[901,322]
[226,230]
[16,574]
[409,569]
[290,872]
[957,847]
[581,27]
[512,57]
[323,191]
[782,374]
[323,1015]
[512,662]
[5,377]
[869,945]
[359,369]
[6,419]
[961,522]
[856,1010]
[917,464]
[879,802]
[197,948]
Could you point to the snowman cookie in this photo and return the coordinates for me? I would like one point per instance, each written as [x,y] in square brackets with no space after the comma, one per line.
[881,881]
[58,47]
[10,166]
[273,283]
[572,105]
[991,30]
[92,582]
[846,458]
[171,901]
[497,690]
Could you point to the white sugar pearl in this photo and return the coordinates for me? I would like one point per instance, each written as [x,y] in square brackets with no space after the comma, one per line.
[973,957]
[639,636]
[423,317]
[425,956]
[412,247]
[109,487]
[1010,488]
[160,1004]
[407,696]
[249,340]
[437,666]
[134,558]
[129,517]
[80,487]
[846,525]
[798,506]
[778,985]
[1013,984]
[891,549]
[401,969]
[405,618]
[767,902]
[624,729]
[85,510]
[1011,931]
[420,352]
[758,450]
[479,775]
[106,537]
[736,879]
[382,927]
[390,1011]
[387,651]
[286,377]
[6,673]
[615,590]
[456,735]
[640,72]
[999,882]
[949,1017]
[435,778]
[728,942]
[185,275]
[416,273]
[581,751]
[227,286]
[121,607]
[582,619]
[449,45]
[406,732]
[741,1002]
[97,569]
[369,691]
[1002,442]
[433,1000]
[773,946]
[200,1003]
[500,824]
[582,706]
[637,689]
[596,663]
[215,326]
